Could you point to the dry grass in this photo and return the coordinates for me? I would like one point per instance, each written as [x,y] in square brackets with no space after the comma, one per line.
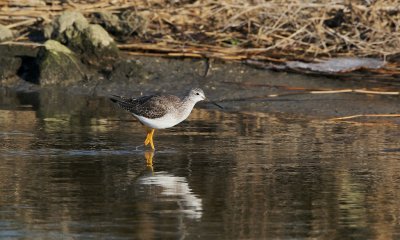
[237,29]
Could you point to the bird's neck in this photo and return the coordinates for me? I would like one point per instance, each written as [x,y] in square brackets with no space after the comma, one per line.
[186,107]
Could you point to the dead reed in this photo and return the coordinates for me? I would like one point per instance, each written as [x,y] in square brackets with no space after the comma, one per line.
[237,29]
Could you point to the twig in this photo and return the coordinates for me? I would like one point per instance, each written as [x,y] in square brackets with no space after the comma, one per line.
[22,23]
[364,115]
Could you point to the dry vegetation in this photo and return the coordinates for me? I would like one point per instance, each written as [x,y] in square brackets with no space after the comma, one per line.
[237,29]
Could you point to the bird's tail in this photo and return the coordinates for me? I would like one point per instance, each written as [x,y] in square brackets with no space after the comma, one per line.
[116,98]
[122,102]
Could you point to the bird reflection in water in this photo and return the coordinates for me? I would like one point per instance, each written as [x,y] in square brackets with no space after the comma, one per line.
[149,160]
[165,187]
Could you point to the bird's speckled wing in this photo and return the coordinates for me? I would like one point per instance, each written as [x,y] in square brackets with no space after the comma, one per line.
[153,106]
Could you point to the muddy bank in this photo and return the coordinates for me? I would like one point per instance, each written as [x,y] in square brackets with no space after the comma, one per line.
[288,38]
[235,86]
[77,51]
[79,57]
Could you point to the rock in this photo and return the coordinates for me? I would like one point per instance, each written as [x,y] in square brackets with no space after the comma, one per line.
[5,34]
[19,50]
[91,41]
[63,27]
[9,67]
[98,37]
[14,60]
[124,25]
[58,65]
[109,21]
[100,48]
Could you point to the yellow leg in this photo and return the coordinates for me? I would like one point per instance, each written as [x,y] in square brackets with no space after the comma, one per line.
[149,138]
[147,141]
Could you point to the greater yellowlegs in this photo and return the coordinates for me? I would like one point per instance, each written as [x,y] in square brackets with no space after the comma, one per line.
[160,111]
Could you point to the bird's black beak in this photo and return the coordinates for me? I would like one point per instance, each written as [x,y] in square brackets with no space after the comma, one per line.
[216,104]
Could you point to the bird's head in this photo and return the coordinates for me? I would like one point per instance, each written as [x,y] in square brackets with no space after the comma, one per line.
[196,94]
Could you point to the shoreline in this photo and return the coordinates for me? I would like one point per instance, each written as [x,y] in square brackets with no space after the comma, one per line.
[237,87]
[100,35]
[120,49]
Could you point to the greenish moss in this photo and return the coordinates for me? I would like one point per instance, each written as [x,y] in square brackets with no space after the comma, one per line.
[58,65]
[55,46]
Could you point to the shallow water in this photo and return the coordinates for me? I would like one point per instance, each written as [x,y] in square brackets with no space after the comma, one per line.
[75,168]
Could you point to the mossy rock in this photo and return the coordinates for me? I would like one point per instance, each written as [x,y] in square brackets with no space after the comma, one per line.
[58,65]
[91,41]
[65,24]
[100,48]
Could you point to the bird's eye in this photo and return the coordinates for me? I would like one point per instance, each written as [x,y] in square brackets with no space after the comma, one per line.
[197,93]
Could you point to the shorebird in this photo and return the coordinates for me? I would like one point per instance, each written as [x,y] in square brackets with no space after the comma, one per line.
[160,111]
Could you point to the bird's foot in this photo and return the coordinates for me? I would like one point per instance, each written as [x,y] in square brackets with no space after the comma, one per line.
[149,139]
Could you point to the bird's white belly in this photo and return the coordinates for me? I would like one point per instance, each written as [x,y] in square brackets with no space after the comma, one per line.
[165,121]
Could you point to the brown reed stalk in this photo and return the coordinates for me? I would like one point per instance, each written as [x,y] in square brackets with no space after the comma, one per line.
[237,29]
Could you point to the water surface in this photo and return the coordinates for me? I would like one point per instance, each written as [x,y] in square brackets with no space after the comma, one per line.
[75,168]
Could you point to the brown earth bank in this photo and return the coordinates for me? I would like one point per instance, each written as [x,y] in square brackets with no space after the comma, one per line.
[76,40]
[235,86]
[243,53]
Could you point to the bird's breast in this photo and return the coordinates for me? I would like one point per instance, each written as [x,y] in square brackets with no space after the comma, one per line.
[165,121]
[170,119]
